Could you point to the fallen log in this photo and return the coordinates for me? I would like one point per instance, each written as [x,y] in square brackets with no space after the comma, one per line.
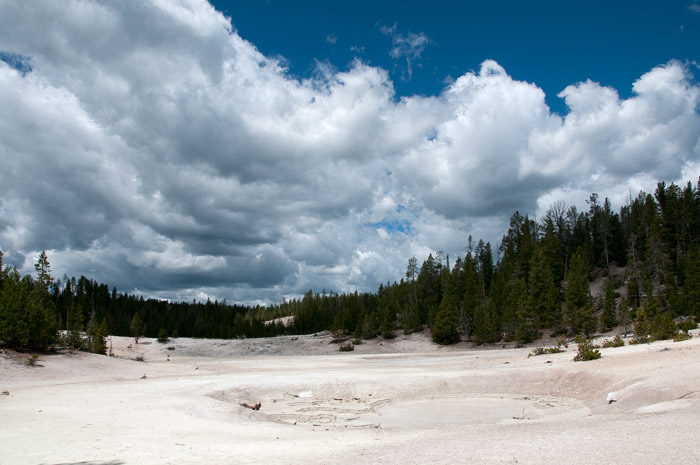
[252,407]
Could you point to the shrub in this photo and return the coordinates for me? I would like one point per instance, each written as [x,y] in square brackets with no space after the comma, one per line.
[617,341]
[687,325]
[32,360]
[663,327]
[543,351]
[163,335]
[586,350]
[682,336]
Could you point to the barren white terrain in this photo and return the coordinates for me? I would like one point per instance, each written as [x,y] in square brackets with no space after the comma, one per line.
[402,401]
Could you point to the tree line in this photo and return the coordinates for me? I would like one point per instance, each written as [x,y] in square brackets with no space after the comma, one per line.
[536,281]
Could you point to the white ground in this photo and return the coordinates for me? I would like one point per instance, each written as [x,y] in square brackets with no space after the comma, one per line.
[405,401]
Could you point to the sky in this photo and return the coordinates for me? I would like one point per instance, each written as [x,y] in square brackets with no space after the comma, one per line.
[252,151]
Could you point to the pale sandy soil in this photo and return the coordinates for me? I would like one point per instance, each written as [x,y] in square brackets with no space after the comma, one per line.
[404,401]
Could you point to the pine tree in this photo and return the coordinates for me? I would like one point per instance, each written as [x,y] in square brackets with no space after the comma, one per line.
[136,327]
[387,326]
[411,316]
[369,329]
[609,317]
[43,271]
[74,327]
[576,290]
[446,323]
[14,325]
[662,327]
[551,250]
[41,315]
[624,313]
[99,339]
[543,293]
[472,299]
[96,335]
[641,327]
[587,320]
[483,328]
[578,302]
[692,282]
[499,306]
[525,329]
[429,291]
[633,294]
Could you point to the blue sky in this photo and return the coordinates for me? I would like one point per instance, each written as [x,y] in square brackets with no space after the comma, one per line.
[550,43]
[255,150]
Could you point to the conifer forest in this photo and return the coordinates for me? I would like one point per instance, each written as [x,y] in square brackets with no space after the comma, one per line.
[536,281]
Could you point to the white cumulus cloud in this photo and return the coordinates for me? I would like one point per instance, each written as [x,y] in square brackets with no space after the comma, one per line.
[151,147]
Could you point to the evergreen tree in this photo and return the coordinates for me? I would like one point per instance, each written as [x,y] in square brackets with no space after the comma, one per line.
[99,338]
[136,327]
[525,329]
[96,335]
[41,315]
[599,218]
[624,313]
[609,317]
[692,282]
[618,249]
[369,328]
[484,331]
[578,302]
[429,289]
[14,325]
[641,326]
[43,272]
[163,335]
[472,294]
[446,323]
[501,306]
[358,330]
[551,251]
[388,326]
[633,294]
[543,293]
[651,303]
[411,318]
[74,327]
[662,327]
[485,259]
